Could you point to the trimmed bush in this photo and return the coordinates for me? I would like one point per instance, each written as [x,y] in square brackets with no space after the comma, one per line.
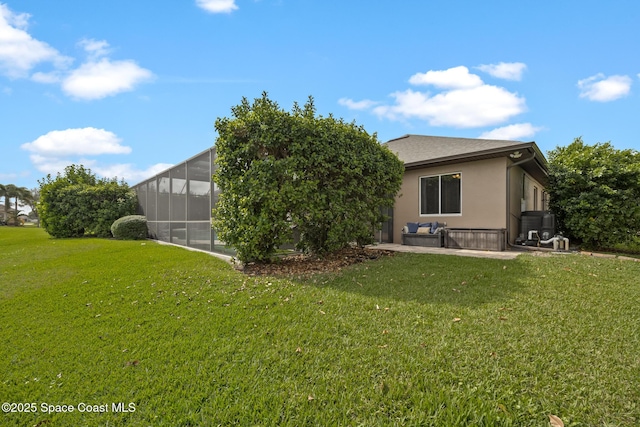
[130,227]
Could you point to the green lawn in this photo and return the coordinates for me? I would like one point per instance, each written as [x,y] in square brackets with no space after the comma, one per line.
[407,340]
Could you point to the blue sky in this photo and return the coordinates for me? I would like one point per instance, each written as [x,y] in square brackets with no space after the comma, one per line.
[128,88]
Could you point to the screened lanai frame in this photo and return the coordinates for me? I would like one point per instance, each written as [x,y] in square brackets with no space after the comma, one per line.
[178,201]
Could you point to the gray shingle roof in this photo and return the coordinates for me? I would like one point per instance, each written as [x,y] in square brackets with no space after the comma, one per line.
[413,149]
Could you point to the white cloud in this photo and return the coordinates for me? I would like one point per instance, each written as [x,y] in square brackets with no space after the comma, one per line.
[365,104]
[604,89]
[217,6]
[83,141]
[95,48]
[99,76]
[46,78]
[53,152]
[19,52]
[484,105]
[129,172]
[453,78]
[99,79]
[8,176]
[463,100]
[513,132]
[50,165]
[505,70]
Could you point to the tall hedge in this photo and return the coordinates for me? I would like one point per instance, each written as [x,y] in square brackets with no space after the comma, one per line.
[283,172]
[595,193]
[77,203]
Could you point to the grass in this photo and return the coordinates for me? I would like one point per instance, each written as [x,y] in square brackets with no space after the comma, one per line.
[409,340]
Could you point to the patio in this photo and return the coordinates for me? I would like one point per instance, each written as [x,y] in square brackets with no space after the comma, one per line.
[445,251]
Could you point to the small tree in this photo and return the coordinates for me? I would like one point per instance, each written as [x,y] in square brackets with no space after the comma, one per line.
[280,171]
[595,192]
[23,196]
[77,203]
[33,204]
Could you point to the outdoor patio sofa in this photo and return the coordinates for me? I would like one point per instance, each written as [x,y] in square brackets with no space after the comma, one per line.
[429,234]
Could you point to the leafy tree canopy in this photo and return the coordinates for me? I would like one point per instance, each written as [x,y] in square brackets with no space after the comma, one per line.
[595,192]
[283,173]
[77,203]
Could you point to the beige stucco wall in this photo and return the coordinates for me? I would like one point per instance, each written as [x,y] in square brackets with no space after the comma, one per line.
[483,196]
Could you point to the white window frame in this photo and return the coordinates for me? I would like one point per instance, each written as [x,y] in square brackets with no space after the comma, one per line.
[440,214]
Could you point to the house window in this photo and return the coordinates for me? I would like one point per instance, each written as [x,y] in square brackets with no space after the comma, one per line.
[440,194]
[535,198]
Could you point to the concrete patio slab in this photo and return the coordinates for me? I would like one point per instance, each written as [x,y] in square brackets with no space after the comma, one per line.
[445,251]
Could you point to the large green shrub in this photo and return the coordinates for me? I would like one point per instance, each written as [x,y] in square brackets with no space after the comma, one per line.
[595,193]
[77,204]
[130,227]
[282,171]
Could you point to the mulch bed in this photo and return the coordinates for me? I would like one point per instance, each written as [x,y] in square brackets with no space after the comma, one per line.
[305,265]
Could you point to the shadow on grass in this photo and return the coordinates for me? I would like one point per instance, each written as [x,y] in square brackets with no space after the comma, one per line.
[432,279]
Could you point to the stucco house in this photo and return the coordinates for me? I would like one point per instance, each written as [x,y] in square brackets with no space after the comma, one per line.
[478,187]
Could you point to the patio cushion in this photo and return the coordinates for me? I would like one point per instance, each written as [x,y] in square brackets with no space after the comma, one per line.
[424,230]
[412,226]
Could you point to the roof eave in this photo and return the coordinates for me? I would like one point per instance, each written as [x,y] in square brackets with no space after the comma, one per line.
[469,157]
[536,167]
